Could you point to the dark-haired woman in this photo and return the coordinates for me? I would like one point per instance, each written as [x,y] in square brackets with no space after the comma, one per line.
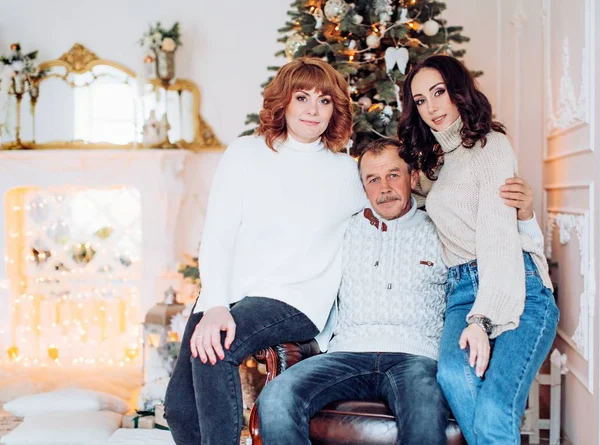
[501,317]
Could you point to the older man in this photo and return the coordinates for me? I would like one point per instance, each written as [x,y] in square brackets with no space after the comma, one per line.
[389,320]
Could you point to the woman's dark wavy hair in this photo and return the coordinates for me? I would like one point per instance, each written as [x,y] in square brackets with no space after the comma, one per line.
[474,108]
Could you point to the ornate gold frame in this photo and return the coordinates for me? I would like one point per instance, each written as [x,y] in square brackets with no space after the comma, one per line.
[79,60]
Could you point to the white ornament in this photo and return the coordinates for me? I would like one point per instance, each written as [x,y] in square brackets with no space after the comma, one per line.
[384,118]
[403,17]
[373,41]
[365,103]
[293,44]
[357,19]
[319,16]
[368,57]
[388,111]
[335,10]
[17,66]
[152,136]
[383,6]
[430,28]
[384,17]
[396,56]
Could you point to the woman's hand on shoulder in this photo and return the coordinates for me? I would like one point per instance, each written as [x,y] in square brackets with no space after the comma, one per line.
[517,193]
[206,339]
[478,342]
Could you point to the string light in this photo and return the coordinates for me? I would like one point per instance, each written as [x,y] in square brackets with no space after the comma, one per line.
[48,312]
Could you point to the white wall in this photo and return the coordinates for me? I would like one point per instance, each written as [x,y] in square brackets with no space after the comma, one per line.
[227,45]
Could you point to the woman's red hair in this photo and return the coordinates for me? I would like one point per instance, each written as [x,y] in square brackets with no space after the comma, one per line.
[307,74]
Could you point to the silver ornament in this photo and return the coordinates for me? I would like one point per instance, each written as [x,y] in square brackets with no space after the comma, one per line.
[357,19]
[365,103]
[335,10]
[293,44]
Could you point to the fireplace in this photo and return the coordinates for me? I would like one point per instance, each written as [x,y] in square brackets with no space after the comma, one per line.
[91,240]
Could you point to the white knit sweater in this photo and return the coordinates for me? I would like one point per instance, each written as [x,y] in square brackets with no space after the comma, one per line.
[392,297]
[275,224]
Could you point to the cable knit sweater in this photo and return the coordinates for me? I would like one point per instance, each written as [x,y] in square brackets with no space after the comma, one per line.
[392,296]
[474,223]
[275,225]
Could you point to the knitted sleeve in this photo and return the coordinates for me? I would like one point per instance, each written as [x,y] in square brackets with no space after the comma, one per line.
[223,218]
[501,292]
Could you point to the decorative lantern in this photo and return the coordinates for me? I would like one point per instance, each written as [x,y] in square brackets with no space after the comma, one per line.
[157,324]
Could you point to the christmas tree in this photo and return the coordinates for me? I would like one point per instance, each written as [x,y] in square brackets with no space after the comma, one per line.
[372,43]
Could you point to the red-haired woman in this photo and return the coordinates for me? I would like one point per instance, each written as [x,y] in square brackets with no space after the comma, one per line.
[270,253]
[501,316]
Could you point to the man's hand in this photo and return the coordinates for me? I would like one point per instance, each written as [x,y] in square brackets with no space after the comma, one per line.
[206,340]
[479,347]
[518,194]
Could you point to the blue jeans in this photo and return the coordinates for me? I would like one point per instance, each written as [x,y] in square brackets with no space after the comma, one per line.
[203,405]
[489,409]
[406,382]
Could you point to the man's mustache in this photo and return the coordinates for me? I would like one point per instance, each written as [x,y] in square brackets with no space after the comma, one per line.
[385,199]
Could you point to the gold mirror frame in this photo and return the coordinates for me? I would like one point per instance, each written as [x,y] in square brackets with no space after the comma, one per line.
[79,60]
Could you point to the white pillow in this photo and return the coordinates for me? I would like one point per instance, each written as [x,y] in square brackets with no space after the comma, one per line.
[69,399]
[126,436]
[87,428]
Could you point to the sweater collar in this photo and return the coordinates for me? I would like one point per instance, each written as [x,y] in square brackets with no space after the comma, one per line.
[375,220]
[450,139]
[295,145]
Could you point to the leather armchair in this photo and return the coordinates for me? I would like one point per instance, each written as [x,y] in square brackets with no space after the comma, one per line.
[348,422]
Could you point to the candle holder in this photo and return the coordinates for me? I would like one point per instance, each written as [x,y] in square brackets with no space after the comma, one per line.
[164,63]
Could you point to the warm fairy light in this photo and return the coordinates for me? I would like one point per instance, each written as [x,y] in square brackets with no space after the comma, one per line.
[351,57]
[337,27]
[13,352]
[52,316]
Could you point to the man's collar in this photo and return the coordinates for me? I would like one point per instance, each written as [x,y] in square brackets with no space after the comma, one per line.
[375,220]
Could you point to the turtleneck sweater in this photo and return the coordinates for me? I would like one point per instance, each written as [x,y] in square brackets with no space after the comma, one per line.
[275,224]
[474,223]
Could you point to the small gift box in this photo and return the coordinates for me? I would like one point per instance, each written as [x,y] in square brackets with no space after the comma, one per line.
[139,419]
[159,418]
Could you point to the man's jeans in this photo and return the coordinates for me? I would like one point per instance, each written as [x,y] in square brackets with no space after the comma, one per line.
[406,382]
[489,409]
[204,402]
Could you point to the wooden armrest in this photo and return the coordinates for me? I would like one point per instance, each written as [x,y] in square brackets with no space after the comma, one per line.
[278,359]
[281,357]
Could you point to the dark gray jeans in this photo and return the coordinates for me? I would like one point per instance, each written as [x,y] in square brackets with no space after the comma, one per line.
[204,402]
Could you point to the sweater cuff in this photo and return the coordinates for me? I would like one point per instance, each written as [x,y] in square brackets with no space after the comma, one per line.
[531,229]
